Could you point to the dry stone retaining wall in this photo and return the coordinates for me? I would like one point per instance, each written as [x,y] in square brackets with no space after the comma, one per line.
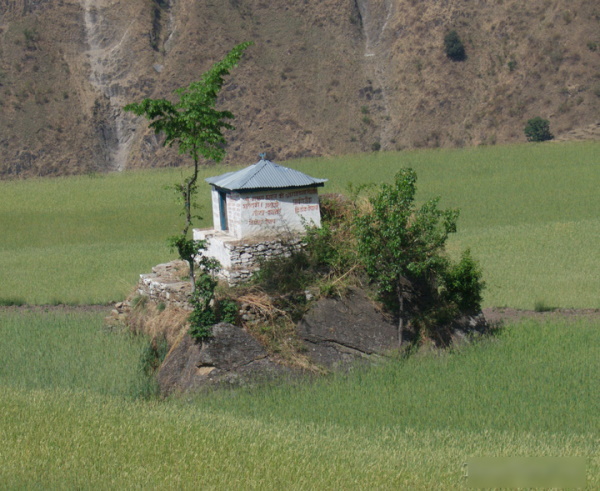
[164,285]
[245,258]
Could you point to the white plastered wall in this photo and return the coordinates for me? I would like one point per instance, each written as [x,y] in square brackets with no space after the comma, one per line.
[271,213]
[215,209]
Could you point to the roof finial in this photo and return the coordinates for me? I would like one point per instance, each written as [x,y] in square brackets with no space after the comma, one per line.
[262,156]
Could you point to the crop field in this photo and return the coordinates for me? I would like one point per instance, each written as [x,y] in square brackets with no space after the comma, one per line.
[72,351]
[78,409]
[528,212]
[407,423]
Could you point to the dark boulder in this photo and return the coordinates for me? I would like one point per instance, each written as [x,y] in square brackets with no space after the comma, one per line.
[337,331]
[467,327]
[230,357]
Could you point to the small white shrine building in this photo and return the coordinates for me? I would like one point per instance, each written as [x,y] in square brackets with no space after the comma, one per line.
[258,212]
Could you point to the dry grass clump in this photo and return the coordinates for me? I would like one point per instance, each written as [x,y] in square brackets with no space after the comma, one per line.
[157,323]
[274,328]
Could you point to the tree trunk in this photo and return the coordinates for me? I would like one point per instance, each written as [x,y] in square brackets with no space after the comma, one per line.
[187,197]
[192,274]
[187,190]
[400,315]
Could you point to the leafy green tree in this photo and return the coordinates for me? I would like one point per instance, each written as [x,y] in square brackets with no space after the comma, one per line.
[403,251]
[538,130]
[197,127]
[454,47]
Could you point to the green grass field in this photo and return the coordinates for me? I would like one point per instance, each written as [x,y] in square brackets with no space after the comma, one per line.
[409,423]
[75,411]
[73,351]
[528,212]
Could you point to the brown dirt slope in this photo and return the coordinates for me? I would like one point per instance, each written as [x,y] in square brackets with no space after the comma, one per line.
[325,77]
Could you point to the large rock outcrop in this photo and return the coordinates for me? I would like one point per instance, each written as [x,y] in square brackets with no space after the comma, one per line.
[337,331]
[231,357]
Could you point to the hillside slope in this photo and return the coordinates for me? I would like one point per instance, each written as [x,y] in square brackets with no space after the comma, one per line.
[323,78]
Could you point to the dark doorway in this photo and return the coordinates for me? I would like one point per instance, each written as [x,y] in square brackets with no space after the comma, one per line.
[223,209]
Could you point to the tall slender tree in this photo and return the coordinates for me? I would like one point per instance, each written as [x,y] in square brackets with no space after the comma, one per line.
[197,127]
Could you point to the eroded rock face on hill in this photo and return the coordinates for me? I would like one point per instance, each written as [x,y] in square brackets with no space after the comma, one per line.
[324,77]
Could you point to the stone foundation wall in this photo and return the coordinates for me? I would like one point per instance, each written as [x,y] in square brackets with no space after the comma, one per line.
[243,259]
[164,285]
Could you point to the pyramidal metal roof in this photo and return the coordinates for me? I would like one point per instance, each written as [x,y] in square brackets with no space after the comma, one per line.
[264,175]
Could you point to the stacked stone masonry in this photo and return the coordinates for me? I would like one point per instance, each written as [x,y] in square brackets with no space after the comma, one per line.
[164,285]
[245,258]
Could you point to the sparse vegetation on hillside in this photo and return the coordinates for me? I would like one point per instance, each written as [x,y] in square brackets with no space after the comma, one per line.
[304,84]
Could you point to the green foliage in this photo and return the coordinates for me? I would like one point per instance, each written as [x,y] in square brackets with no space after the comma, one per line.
[402,248]
[187,250]
[538,130]
[203,315]
[193,122]
[454,47]
[395,240]
[207,309]
[463,284]
[153,355]
[319,241]
[285,274]
[331,248]
[324,253]
[227,311]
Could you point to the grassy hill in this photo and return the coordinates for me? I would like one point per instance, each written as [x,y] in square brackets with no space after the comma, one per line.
[528,212]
